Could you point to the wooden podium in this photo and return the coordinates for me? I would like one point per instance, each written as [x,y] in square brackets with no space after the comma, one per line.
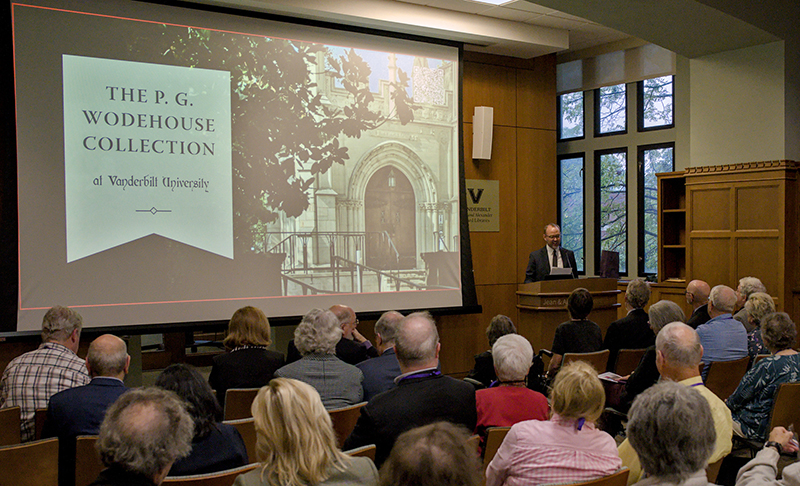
[543,306]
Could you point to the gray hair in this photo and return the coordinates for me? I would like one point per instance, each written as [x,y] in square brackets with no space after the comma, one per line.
[758,305]
[107,356]
[671,428]
[144,431]
[512,355]
[59,322]
[499,326]
[317,333]
[679,344]
[778,331]
[663,312]
[750,285]
[723,298]
[551,225]
[437,454]
[638,293]
[417,338]
[387,326]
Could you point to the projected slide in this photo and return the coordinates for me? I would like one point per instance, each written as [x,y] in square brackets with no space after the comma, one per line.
[176,164]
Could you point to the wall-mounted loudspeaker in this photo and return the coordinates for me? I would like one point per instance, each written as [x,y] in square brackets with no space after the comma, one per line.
[482,122]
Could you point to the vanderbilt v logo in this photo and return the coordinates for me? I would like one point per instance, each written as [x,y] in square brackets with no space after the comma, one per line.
[475,195]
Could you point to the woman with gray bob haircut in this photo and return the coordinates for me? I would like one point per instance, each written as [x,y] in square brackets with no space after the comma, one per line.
[318,332]
[758,305]
[671,429]
[338,383]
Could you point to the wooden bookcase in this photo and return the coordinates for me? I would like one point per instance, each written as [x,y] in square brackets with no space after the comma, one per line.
[672,228]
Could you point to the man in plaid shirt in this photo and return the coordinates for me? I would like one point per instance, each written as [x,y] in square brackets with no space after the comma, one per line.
[31,379]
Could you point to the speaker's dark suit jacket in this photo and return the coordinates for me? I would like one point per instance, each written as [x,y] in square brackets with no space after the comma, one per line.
[539,265]
[631,332]
[415,402]
[78,411]
[379,373]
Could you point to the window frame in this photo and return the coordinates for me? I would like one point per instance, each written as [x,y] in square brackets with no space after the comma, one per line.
[640,150]
[582,156]
[640,108]
[598,210]
[559,120]
[596,102]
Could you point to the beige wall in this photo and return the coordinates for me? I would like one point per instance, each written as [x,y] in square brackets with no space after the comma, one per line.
[737,106]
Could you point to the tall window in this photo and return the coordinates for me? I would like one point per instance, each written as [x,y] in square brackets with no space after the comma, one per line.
[570,185]
[611,206]
[610,110]
[655,103]
[570,116]
[652,160]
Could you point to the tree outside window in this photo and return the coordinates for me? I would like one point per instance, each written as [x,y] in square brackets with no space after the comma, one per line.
[652,160]
[611,207]
[570,116]
[571,205]
[610,106]
[656,103]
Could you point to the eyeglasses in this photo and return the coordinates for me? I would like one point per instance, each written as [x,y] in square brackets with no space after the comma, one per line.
[552,237]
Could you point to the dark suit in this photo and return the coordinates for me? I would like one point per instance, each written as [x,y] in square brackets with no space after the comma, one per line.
[379,373]
[78,411]
[347,350]
[415,402]
[539,264]
[223,448]
[699,316]
[243,368]
[631,332]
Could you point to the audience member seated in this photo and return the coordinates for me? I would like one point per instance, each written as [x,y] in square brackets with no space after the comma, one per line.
[31,379]
[747,287]
[422,396]
[757,306]
[577,335]
[248,364]
[484,365]
[566,448]
[723,337]
[632,331]
[80,410]
[352,348]
[380,372]
[215,446]
[671,429]
[510,402]
[338,383]
[433,455]
[697,296]
[646,373]
[142,434]
[296,445]
[752,401]
[678,352]
[763,469]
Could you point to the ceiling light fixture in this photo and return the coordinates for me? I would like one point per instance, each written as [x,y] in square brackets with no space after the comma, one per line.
[494,2]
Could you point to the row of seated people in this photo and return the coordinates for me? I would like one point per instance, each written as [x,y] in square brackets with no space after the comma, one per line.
[416,336]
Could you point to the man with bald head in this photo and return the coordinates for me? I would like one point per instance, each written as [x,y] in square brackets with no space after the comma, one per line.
[723,337]
[678,353]
[422,396]
[80,410]
[697,296]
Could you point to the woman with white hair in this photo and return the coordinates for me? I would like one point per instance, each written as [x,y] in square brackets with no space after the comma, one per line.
[752,401]
[566,448]
[338,383]
[510,401]
[295,443]
[672,431]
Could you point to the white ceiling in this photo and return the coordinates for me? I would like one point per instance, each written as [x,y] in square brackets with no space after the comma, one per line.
[525,29]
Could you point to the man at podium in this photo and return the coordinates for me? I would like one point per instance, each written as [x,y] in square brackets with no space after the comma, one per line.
[542,262]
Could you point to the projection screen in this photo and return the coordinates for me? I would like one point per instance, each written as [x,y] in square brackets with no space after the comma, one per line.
[175,164]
